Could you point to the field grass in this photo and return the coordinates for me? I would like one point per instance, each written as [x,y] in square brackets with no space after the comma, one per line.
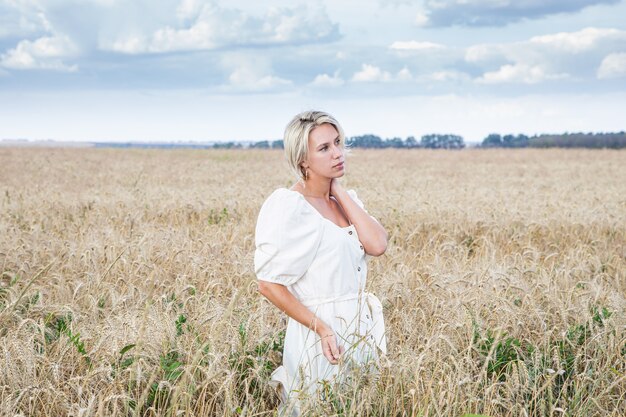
[127,283]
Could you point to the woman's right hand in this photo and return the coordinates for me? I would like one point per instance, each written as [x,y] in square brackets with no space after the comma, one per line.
[282,298]
[331,350]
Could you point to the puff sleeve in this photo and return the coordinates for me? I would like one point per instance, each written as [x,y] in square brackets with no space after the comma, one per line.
[287,235]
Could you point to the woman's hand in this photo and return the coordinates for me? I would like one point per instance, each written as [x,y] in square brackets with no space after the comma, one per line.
[335,187]
[331,351]
[282,298]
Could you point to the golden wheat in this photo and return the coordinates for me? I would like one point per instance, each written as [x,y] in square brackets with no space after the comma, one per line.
[127,283]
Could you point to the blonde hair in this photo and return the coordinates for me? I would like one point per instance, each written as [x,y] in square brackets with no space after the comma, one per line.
[296,139]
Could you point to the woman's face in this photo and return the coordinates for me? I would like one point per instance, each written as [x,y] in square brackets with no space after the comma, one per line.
[325,158]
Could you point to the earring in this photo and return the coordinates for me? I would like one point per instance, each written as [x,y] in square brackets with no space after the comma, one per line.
[306,174]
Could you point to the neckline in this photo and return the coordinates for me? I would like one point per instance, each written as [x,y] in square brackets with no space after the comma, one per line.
[315,210]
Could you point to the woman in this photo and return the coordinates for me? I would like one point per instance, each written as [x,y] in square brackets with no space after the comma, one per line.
[310,260]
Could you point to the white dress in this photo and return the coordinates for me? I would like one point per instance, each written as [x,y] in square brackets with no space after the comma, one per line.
[324,267]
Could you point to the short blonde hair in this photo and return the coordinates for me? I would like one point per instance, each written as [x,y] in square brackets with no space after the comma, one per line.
[296,139]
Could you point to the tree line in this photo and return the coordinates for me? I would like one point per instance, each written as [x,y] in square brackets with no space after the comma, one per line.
[450,141]
[565,140]
[434,141]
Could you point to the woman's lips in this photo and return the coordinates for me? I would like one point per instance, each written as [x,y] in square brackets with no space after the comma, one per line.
[340,165]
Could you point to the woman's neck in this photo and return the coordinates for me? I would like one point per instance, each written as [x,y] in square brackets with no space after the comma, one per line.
[316,188]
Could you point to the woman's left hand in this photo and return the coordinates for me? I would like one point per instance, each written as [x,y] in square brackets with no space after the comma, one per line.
[335,187]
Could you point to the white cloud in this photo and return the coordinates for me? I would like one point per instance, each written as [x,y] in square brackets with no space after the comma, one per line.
[576,42]
[421,19]
[483,52]
[404,75]
[613,66]
[415,46]
[448,75]
[43,53]
[548,57]
[132,44]
[371,73]
[584,40]
[519,73]
[205,26]
[20,18]
[325,80]
[247,79]
[248,75]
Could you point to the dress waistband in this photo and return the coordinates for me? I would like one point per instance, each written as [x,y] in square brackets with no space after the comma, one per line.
[375,307]
[312,302]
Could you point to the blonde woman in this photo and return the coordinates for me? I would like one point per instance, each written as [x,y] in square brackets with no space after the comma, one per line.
[312,242]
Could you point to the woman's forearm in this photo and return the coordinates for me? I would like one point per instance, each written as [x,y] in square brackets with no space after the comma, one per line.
[282,298]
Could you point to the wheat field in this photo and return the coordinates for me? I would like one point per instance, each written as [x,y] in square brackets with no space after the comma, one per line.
[128,288]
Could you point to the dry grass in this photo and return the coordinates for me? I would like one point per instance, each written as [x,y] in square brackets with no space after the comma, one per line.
[127,285]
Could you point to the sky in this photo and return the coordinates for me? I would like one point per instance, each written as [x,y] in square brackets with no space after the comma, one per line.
[216,70]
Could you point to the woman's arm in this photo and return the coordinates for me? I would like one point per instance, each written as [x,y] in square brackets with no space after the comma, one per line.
[371,233]
[282,298]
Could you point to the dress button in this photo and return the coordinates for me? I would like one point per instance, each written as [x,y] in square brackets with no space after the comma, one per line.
[350,232]
[361,246]
[359,269]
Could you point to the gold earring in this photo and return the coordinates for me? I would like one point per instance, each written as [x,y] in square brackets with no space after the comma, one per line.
[306,174]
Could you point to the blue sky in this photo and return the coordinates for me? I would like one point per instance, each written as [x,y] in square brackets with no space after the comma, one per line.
[198,70]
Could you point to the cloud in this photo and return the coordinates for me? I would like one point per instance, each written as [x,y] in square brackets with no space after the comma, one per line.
[548,57]
[415,46]
[448,75]
[371,73]
[249,75]
[576,42]
[495,12]
[612,66]
[404,75]
[325,80]
[519,73]
[247,79]
[19,19]
[208,26]
[43,53]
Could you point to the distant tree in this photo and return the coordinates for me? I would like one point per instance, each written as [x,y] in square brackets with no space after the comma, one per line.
[411,142]
[264,144]
[493,140]
[394,143]
[580,140]
[521,141]
[446,141]
[511,141]
[563,140]
[365,141]
[226,145]
[507,141]
[278,144]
